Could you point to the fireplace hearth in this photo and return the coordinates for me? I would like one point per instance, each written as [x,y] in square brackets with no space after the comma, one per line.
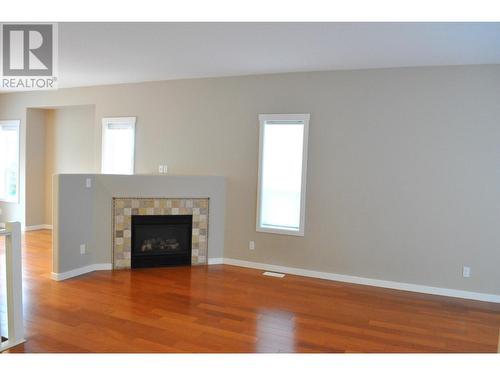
[161,240]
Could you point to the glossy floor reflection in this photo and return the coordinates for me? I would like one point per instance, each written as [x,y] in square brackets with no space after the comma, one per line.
[276,331]
[231,309]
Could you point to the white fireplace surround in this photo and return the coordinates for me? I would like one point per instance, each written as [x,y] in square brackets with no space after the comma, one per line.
[83,215]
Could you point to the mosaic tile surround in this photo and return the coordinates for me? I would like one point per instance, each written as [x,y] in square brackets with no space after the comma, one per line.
[124,208]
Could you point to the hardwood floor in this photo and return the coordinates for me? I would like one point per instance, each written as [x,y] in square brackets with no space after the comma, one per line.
[230,309]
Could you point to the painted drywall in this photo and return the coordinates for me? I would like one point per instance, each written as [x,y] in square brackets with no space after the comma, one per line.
[402,170]
[35,166]
[58,140]
[49,165]
[73,139]
[84,215]
[70,146]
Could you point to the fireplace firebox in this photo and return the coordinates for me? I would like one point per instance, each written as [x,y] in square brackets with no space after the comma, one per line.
[161,240]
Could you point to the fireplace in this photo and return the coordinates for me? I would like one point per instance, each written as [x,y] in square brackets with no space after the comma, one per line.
[161,240]
[125,208]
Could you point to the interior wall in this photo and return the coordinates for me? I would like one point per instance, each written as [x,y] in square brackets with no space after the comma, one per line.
[58,140]
[35,166]
[49,166]
[70,146]
[80,221]
[402,170]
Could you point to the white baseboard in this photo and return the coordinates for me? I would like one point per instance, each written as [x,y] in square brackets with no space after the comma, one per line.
[215,261]
[10,344]
[366,281]
[37,227]
[103,267]
[80,271]
[316,274]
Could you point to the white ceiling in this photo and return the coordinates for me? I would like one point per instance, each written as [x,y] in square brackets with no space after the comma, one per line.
[107,53]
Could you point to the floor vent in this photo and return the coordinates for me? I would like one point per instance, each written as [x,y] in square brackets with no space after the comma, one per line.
[274,274]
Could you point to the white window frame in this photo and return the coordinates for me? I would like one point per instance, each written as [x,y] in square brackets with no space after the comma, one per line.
[17,124]
[117,120]
[303,118]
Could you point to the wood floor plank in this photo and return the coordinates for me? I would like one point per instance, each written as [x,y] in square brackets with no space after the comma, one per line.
[221,308]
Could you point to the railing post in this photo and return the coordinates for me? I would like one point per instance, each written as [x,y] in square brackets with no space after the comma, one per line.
[14,279]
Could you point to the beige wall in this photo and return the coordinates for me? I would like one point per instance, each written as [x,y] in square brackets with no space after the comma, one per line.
[35,166]
[80,221]
[48,167]
[402,173]
[70,146]
[58,140]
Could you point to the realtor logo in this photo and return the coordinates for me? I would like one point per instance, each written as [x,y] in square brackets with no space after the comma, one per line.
[29,56]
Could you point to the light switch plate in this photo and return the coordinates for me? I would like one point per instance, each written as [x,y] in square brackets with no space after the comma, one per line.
[466,271]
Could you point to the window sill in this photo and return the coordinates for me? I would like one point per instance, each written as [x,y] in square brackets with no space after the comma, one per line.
[276,230]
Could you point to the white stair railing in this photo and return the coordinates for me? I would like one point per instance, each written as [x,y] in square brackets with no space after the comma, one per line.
[13,287]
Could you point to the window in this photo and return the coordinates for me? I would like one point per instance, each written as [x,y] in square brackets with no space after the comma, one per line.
[118,145]
[9,161]
[282,173]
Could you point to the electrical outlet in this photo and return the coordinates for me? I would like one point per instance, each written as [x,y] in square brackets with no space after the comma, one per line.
[251,245]
[82,249]
[466,271]
[88,183]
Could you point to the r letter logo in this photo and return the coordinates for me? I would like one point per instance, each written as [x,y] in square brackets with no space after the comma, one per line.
[29,56]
